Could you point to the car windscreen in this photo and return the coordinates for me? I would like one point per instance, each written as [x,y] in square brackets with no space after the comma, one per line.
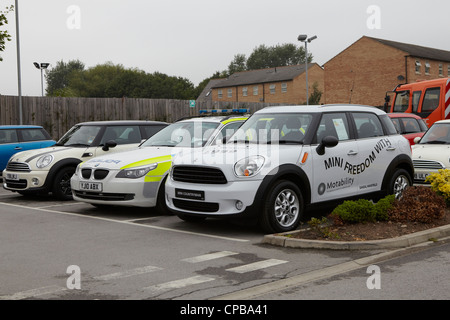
[274,128]
[183,134]
[439,133]
[79,136]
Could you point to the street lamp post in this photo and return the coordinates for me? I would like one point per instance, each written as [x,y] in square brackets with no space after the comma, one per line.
[41,67]
[304,38]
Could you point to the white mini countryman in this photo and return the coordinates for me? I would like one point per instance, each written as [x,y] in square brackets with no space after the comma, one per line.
[136,178]
[283,159]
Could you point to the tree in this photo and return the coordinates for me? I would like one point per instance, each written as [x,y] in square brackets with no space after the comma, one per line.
[238,64]
[314,97]
[115,81]
[276,56]
[4,35]
[58,77]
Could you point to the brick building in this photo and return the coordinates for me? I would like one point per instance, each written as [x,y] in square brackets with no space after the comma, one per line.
[367,69]
[273,85]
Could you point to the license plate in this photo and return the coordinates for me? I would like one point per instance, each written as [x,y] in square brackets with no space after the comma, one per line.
[420,176]
[190,194]
[91,186]
[12,176]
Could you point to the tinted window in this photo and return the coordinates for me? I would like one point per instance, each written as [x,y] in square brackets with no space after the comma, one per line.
[390,125]
[333,124]
[367,125]
[401,101]
[33,135]
[151,130]
[411,125]
[8,136]
[431,99]
[122,135]
[415,100]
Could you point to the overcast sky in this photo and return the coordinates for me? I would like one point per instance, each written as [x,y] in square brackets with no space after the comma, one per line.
[195,38]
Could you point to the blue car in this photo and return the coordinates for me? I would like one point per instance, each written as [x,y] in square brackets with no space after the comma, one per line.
[20,138]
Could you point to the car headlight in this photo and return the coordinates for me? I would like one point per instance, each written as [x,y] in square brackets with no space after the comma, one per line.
[135,173]
[249,166]
[44,161]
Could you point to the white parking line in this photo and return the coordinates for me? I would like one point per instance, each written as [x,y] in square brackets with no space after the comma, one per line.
[177,284]
[127,223]
[34,293]
[128,273]
[256,266]
[210,256]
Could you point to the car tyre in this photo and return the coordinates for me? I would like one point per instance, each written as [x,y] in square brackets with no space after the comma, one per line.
[61,186]
[161,205]
[400,180]
[283,208]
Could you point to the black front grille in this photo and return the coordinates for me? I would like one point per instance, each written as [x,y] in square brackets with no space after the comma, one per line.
[99,174]
[86,173]
[196,206]
[104,196]
[20,184]
[195,174]
[18,166]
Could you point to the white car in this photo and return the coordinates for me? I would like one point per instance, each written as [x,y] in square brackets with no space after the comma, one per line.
[283,159]
[432,151]
[49,169]
[136,178]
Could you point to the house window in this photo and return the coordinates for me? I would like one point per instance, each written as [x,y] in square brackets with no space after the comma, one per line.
[272,88]
[230,93]
[427,67]
[441,70]
[255,90]
[284,87]
[244,91]
[418,65]
[219,94]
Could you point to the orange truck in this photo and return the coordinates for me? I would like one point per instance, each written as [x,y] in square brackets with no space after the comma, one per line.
[428,99]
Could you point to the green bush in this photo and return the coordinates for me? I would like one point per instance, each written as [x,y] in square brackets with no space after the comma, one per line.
[382,208]
[360,210]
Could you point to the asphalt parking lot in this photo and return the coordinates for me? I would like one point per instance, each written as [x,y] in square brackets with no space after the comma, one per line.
[53,250]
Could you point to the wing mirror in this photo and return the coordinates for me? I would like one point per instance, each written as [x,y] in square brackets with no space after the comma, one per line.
[327,142]
[109,144]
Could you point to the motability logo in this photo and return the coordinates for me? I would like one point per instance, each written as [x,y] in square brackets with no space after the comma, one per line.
[335,185]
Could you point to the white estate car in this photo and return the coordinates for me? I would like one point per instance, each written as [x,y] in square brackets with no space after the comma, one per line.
[49,169]
[283,159]
[136,178]
[432,152]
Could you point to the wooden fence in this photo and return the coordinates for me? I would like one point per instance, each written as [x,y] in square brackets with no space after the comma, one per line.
[57,114]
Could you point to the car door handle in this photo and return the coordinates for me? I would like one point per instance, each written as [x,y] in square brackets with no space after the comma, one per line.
[390,148]
[18,148]
[352,153]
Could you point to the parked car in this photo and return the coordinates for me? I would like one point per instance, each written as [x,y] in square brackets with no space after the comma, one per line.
[285,158]
[432,151]
[137,177]
[409,125]
[18,138]
[49,170]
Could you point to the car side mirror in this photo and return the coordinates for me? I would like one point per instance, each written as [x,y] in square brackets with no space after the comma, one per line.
[109,144]
[417,139]
[327,142]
